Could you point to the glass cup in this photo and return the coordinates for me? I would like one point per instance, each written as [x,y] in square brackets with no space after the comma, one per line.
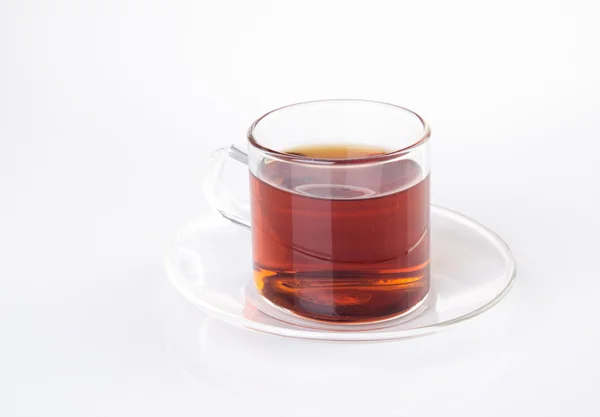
[339,208]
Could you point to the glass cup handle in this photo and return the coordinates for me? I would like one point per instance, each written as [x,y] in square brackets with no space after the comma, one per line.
[216,194]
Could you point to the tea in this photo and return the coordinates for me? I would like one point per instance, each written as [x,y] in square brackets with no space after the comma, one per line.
[341,242]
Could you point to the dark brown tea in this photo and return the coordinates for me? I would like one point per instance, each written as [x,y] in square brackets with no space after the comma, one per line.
[345,243]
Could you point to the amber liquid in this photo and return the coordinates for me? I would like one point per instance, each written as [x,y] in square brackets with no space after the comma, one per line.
[344,244]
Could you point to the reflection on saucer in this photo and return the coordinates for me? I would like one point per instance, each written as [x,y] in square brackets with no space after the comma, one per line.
[283,376]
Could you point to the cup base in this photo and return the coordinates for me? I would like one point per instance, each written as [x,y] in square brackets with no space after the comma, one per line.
[271,309]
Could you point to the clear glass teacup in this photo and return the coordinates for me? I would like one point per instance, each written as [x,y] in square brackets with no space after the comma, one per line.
[339,211]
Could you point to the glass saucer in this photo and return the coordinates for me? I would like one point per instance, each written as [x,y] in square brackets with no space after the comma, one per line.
[472,269]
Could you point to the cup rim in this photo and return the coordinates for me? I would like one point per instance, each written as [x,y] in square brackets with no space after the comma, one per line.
[425,136]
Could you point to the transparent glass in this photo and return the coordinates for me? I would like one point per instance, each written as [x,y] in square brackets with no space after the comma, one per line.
[472,269]
[339,209]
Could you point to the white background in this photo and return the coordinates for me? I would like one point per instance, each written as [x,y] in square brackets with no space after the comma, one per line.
[108,110]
